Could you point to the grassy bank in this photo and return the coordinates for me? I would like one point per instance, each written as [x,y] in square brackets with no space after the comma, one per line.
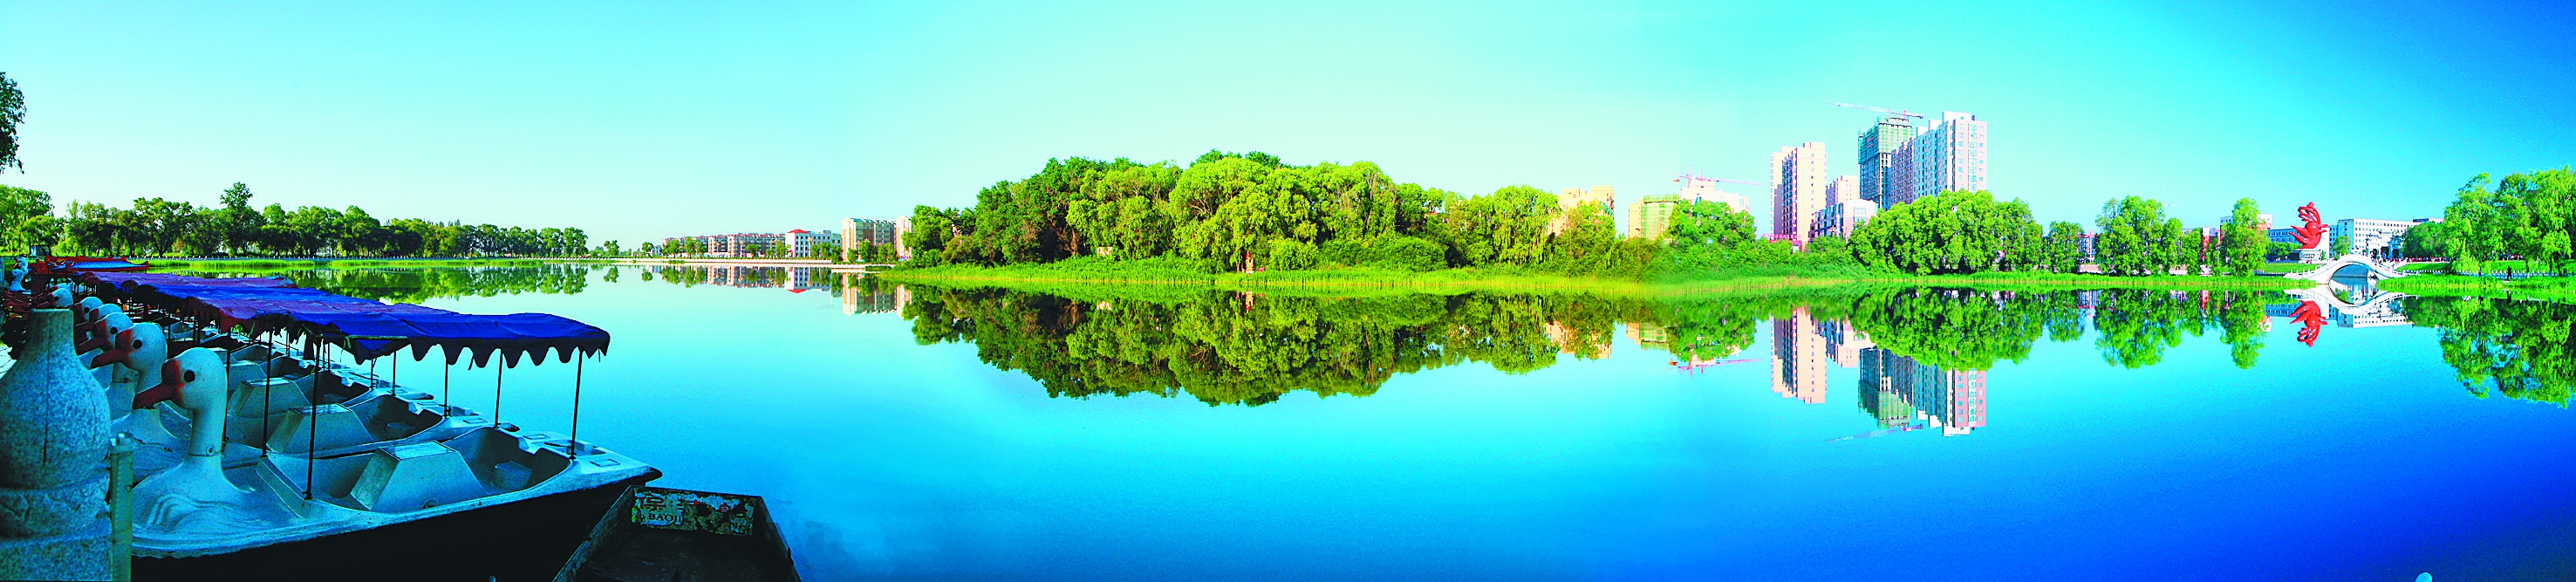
[2561,289]
[1089,270]
[317,263]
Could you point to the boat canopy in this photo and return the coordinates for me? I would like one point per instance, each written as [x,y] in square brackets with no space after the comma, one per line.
[368,329]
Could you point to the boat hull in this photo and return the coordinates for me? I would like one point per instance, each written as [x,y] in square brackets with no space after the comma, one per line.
[527,539]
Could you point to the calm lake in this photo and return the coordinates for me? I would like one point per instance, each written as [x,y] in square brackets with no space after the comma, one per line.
[1159,434]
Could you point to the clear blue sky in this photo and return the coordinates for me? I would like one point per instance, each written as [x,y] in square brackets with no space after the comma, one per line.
[638,122]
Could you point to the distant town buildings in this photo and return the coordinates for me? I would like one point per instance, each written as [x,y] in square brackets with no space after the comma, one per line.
[1652,214]
[2374,236]
[902,228]
[1572,197]
[802,243]
[1951,155]
[731,245]
[861,230]
[1798,183]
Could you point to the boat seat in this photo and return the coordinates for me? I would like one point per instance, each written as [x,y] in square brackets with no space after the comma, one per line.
[415,476]
[333,387]
[283,366]
[505,462]
[270,396]
[325,427]
[243,372]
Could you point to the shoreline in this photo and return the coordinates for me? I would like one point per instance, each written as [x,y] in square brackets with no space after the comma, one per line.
[1473,280]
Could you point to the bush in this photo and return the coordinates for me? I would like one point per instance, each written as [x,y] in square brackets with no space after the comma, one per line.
[1395,253]
[1290,255]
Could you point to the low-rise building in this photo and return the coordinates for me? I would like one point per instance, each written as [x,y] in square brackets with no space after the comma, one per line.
[2373,236]
[902,228]
[862,230]
[807,244]
[1572,197]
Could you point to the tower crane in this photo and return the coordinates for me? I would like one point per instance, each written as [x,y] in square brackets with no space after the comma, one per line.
[1895,112]
[1693,174]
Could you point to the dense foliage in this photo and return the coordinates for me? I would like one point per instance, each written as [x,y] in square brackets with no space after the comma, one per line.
[2242,242]
[13,111]
[1952,232]
[1249,212]
[154,226]
[2138,239]
[2531,216]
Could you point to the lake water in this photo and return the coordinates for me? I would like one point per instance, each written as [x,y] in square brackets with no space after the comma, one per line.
[1158,434]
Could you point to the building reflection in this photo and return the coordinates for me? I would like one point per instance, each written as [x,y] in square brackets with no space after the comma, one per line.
[859,293]
[1571,342]
[1904,394]
[1798,355]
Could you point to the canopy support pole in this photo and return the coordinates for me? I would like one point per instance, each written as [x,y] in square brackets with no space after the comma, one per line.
[574,445]
[497,369]
[312,402]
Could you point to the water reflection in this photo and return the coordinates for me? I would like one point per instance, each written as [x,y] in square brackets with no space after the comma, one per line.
[1928,347]
[417,284]
[1921,353]
[2519,349]
[858,292]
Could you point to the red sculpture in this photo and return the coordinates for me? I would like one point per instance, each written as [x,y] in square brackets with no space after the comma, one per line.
[2314,231]
[2311,318]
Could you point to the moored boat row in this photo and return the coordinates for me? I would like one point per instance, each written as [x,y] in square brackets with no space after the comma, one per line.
[260,440]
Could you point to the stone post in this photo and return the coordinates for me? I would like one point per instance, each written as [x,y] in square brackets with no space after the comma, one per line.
[53,448]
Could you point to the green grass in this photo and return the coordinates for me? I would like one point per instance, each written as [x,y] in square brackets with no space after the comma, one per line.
[2561,289]
[346,262]
[1181,273]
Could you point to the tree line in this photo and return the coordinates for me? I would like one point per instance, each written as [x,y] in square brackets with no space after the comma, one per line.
[2529,216]
[1247,212]
[1251,211]
[158,227]
[1971,232]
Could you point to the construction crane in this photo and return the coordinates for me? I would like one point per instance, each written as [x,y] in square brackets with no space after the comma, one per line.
[1693,174]
[1695,364]
[1895,112]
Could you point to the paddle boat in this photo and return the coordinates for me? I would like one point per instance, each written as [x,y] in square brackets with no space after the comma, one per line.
[252,453]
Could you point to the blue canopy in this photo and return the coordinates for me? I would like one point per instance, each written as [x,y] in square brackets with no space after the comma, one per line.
[369,329]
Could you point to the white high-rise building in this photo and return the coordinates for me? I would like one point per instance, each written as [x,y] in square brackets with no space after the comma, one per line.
[1798,182]
[1949,156]
[1845,208]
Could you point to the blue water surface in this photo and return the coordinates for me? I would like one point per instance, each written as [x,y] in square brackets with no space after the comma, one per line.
[2361,457]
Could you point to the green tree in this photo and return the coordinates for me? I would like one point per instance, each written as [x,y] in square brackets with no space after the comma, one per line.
[2138,239]
[1951,232]
[13,112]
[2064,247]
[236,222]
[29,219]
[2242,243]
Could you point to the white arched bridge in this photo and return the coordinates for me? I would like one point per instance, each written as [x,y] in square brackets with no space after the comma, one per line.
[2372,303]
[2329,269]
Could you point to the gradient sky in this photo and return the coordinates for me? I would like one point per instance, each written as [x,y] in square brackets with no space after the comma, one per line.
[640,122]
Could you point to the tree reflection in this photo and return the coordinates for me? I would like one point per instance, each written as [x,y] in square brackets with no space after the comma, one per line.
[2519,349]
[1229,347]
[416,284]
